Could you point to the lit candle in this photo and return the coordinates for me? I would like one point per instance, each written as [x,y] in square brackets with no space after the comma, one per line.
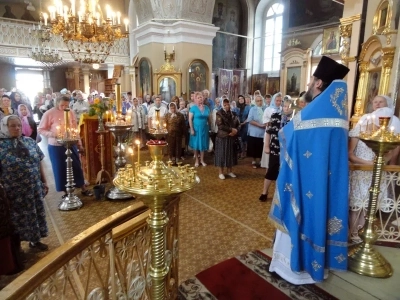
[58,131]
[131,153]
[126,22]
[368,119]
[373,123]
[118,98]
[66,119]
[108,11]
[391,130]
[118,18]
[107,115]
[73,7]
[137,142]
[45,16]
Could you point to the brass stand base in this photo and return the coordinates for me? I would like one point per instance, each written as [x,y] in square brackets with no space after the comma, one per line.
[116,194]
[367,261]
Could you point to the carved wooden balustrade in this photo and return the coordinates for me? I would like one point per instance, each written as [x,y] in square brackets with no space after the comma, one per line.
[110,260]
[388,213]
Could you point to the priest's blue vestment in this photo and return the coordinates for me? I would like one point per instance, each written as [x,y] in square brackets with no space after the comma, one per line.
[311,197]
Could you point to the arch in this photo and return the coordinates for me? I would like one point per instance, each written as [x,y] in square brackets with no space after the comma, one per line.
[316,45]
[369,47]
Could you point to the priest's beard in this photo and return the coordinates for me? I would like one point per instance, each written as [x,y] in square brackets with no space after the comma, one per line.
[308,96]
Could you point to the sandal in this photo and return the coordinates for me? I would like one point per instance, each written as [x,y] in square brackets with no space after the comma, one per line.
[87,193]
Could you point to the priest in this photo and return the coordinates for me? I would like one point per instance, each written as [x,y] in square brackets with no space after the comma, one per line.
[310,205]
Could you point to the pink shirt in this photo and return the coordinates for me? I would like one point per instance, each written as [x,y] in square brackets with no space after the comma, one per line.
[50,120]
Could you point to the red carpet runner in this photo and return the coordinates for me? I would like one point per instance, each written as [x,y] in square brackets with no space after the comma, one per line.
[245,277]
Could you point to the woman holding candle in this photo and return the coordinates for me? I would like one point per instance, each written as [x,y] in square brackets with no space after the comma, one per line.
[56,122]
[361,154]
[200,123]
[176,127]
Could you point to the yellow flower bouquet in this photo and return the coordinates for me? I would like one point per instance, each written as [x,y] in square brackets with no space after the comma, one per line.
[99,106]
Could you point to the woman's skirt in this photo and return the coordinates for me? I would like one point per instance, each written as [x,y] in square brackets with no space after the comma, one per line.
[57,157]
[254,146]
[225,153]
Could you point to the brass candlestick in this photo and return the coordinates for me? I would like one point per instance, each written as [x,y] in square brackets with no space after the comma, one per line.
[103,173]
[364,259]
[156,182]
[70,201]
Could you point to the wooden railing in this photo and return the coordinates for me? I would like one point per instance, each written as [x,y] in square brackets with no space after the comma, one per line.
[388,212]
[110,260]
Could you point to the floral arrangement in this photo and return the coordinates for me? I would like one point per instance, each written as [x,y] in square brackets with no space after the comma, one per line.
[100,106]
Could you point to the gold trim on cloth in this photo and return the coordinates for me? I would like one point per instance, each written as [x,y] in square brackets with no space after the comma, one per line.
[286,155]
[334,225]
[321,123]
[308,240]
[341,258]
[293,202]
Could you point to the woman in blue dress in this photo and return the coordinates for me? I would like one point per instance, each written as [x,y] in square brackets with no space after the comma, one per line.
[256,132]
[199,122]
[24,181]
[244,110]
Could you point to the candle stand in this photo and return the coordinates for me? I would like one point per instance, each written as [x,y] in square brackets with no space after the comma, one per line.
[102,174]
[156,182]
[363,258]
[70,201]
[119,129]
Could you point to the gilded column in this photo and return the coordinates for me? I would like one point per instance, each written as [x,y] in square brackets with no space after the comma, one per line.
[362,87]
[345,33]
[77,71]
[387,64]
[86,80]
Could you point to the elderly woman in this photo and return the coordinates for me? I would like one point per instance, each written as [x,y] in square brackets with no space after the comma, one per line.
[5,107]
[139,121]
[52,119]
[244,110]
[228,125]
[256,132]
[199,122]
[272,147]
[21,172]
[360,153]
[176,128]
[29,127]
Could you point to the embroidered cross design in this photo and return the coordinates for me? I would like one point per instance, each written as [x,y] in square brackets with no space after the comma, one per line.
[307,154]
[340,258]
[313,124]
[309,194]
[288,187]
[316,266]
[334,225]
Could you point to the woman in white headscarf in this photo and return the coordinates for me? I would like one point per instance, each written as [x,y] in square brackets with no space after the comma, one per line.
[22,175]
[274,107]
[361,154]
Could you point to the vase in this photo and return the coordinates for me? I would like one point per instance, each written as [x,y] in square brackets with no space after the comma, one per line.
[101,123]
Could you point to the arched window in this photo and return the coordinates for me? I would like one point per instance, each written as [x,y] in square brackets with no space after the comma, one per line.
[273,39]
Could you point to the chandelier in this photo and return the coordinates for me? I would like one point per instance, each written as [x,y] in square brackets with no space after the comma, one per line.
[86,33]
[48,58]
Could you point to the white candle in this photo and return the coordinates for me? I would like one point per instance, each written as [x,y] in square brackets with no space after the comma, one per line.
[118,18]
[45,16]
[126,22]
[108,11]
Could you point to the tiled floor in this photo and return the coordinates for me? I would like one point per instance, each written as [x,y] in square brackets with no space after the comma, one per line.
[218,219]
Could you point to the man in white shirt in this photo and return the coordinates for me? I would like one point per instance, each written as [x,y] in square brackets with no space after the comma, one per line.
[151,121]
[80,106]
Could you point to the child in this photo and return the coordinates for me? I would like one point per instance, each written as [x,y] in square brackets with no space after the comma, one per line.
[278,120]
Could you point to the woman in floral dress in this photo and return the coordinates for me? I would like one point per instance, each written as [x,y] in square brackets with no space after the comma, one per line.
[22,176]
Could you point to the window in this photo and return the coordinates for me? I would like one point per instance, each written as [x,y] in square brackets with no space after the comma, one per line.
[273,38]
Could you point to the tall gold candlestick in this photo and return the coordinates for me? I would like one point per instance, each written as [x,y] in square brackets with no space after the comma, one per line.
[118,99]
[66,121]
[137,142]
